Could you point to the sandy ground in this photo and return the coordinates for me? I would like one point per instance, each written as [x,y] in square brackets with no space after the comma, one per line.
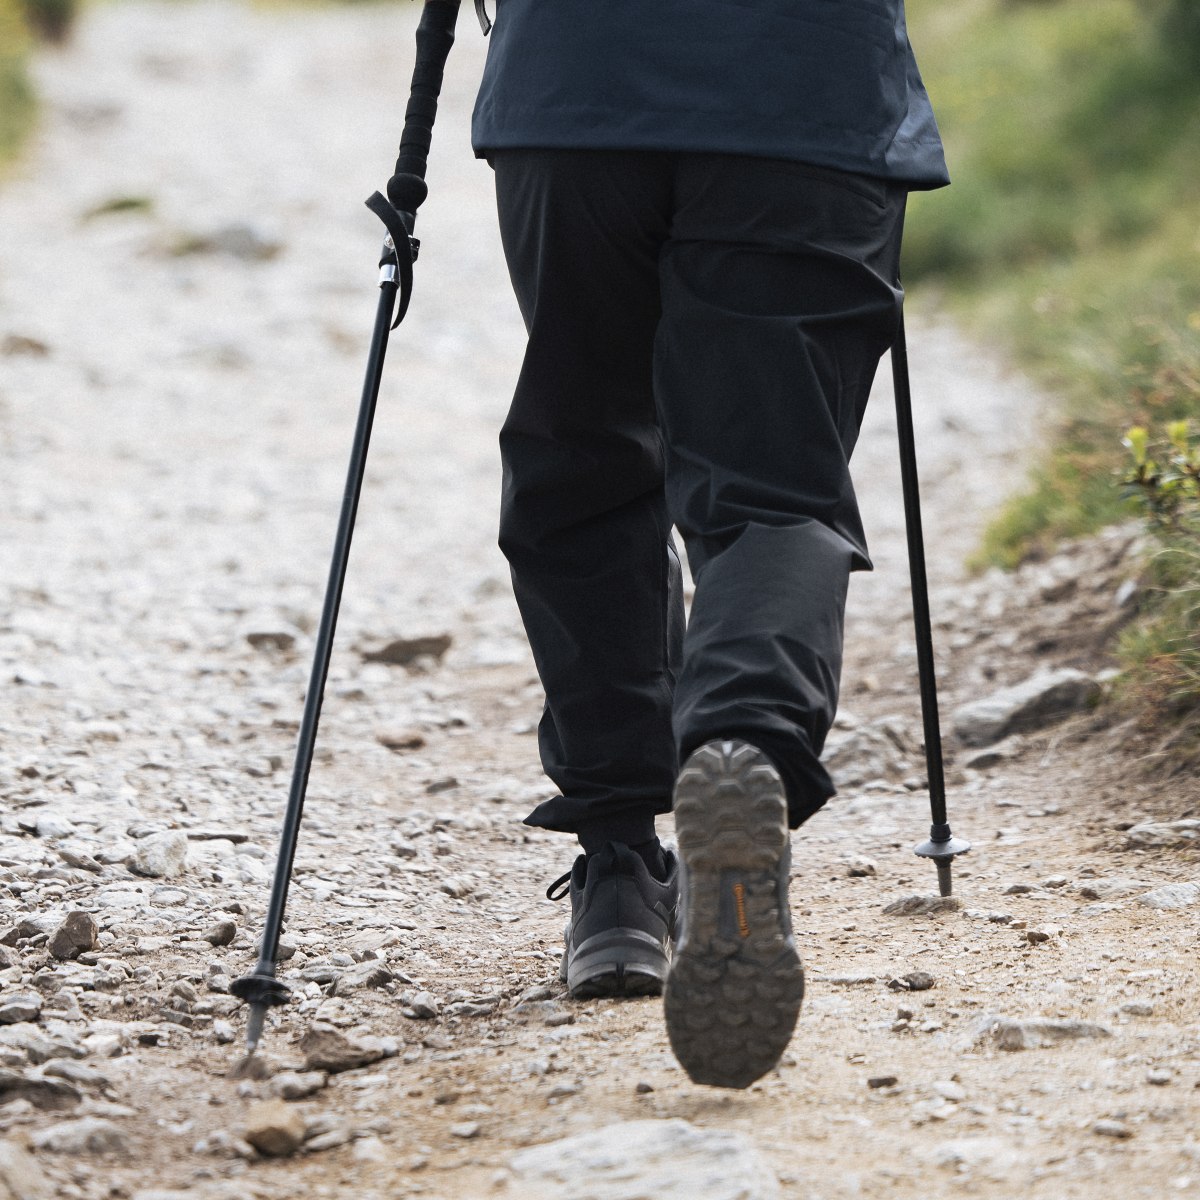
[187,279]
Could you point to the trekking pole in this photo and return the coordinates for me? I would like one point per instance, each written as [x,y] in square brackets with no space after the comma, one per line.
[405,192]
[942,846]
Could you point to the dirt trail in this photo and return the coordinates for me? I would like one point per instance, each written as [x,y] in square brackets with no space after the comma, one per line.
[186,288]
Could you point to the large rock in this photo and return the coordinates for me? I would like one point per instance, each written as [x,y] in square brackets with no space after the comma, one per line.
[87,1135]
[1042,699]
[275,1127]
[1032,1033]
[327,1049]
[667,1160]
[161,855]
[1172,895]
[76,935]
[875,751]
[20,1006]
[1167,835]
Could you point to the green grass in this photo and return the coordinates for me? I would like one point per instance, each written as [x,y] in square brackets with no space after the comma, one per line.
[1071,235]
[17,105]
[1071,238]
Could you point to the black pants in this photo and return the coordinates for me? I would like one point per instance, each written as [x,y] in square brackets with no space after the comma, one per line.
[703,334]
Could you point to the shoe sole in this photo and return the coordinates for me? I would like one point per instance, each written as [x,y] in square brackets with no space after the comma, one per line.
[736,983]
[618,962]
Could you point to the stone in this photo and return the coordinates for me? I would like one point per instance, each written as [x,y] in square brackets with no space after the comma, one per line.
[161,855]
[364,975]
[1171,895]
[76,1072]
[370,1150]
[922,906]
[86,1135]
[20,1176]
[20,1006]
[403,652]
[1112,1129]
[53,826]
[327,1049]
[298,1085]
[1138,1008]
[1158,1077]
[465,1130]
[874,751]
[1043,698]
[665,1159]
[64,1006]
[329,1140]
[220,934]
[1036,1032]
[914,981]
[882,1081]
[1112,889]
[400,740]
[77,934]
[1167,835]
[39,1092]
[423,1006]
[990,1156]
[274,1128]
[859,866]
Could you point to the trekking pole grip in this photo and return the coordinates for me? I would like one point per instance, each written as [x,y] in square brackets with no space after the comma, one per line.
[435,35]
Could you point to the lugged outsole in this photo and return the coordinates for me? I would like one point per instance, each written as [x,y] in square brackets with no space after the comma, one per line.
[736,983]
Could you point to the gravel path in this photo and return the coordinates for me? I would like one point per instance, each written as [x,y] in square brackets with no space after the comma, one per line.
[187,282]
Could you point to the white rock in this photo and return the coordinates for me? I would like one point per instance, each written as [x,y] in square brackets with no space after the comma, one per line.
[1039,700]
[20,1006]
[1034,1032]
[990,1156]
[1166,834]
[1172,895]
[88,1135]
[161,855]
[668,1160]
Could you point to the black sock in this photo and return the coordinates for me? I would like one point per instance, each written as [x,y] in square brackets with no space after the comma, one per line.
[652,856]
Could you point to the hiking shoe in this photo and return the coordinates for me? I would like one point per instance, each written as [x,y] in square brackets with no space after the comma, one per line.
[622,922]
[736,983]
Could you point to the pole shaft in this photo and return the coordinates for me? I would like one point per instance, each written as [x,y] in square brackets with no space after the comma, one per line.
[323,651]
[920,585]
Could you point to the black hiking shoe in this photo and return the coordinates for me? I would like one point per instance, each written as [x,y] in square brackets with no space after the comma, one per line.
[736,983]
[622,922]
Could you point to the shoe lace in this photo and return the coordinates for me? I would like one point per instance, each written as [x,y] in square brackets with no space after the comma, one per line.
[559,888]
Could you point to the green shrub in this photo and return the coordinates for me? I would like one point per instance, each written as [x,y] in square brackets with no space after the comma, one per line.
[1162,650]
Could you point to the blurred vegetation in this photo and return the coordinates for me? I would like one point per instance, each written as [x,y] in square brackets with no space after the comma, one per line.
[1071,236]
[21,21]
[1071,233]
[16,94]
[1162,650]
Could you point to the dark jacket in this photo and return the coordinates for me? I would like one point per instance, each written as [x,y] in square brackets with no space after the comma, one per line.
[829,82]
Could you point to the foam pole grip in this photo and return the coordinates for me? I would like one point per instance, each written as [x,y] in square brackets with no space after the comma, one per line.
[435,35]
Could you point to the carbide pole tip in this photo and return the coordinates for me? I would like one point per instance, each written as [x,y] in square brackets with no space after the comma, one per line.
[945,883]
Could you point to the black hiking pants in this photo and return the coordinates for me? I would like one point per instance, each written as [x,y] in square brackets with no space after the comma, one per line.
[703,334]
